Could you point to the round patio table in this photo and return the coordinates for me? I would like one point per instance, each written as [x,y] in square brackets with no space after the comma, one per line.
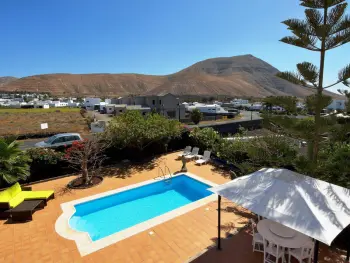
[282,235]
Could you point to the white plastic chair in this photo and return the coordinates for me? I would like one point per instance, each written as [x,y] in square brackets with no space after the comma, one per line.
[193,154]
[186,151]
[302,254]
[258,240]
[273,252]
[205,158]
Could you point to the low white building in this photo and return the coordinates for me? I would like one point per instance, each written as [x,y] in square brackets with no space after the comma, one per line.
[91,102]
[337,105]
[109,108]
[239,102]
[256,107]
[58,104]
[15,104]
[73,104]
[42,105]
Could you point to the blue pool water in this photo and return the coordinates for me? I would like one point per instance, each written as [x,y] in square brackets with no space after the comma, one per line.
[110,214]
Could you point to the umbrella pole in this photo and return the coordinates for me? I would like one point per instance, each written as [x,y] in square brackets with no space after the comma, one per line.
[316,251]
[348,253]
[219,223]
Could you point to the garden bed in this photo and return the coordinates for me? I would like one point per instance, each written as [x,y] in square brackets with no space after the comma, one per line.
[78,183]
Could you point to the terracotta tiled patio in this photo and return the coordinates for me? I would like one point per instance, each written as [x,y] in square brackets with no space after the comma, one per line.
[178,240]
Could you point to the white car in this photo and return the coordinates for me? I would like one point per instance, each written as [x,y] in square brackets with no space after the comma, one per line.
[60,140]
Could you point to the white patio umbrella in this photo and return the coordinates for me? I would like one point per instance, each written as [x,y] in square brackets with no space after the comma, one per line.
[313,207]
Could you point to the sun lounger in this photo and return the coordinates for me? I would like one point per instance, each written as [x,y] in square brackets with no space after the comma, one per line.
[186,151]
[193,154]
[14,195]
[204,159]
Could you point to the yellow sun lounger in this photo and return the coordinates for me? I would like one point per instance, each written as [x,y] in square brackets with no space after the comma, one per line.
[14,195]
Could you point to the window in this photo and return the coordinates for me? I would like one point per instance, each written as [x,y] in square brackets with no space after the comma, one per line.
[59,140]
[120,110]
[72,138]
[154,102]
[51,139]
[69,138]
[160,102]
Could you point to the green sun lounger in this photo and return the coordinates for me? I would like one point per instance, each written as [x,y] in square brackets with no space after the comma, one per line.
[14,195]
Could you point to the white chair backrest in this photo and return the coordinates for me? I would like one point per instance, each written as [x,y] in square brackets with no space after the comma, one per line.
[275,248]
[253,225]
[306,252]
[195,150]
[188,149]
[206,155]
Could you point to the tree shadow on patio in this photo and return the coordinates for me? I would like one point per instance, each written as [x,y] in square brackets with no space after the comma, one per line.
[224,171]
[63,191]
[228,207]
[126,169]
[236,248]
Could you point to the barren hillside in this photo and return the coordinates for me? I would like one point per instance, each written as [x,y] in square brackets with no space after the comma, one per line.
[233,76]
[6,80]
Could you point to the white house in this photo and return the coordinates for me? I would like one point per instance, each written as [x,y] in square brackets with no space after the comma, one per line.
[91,102]
[336,105]
[58,104]
[110,108]
[42,105]
[256,107]
[73,104]
[239,102]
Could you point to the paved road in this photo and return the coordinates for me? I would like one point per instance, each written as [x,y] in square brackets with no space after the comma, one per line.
[26,144]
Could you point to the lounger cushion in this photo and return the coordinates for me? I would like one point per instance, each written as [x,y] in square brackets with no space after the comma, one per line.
[15,201]
[14,190]
[5,196]
[30,195]
[9,193]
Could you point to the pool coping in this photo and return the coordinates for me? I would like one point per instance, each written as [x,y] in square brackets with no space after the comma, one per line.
[82,239]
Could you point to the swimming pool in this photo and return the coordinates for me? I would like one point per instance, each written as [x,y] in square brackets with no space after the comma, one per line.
[106,218]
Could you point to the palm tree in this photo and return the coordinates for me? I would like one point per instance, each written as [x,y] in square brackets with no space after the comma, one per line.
[14,164]
[326,27]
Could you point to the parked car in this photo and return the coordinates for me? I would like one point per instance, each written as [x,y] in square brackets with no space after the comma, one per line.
[60,140]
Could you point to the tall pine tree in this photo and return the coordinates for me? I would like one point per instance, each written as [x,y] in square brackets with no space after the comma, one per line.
[325,27]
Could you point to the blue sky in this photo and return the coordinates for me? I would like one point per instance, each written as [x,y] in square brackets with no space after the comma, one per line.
[149,37]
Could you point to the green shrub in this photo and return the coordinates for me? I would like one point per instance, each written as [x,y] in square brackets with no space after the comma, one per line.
[271,151]
[196,116]
[205,138]
[45,155]
[133,130]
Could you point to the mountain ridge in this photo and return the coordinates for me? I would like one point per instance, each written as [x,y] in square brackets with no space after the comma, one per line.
[243,75]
